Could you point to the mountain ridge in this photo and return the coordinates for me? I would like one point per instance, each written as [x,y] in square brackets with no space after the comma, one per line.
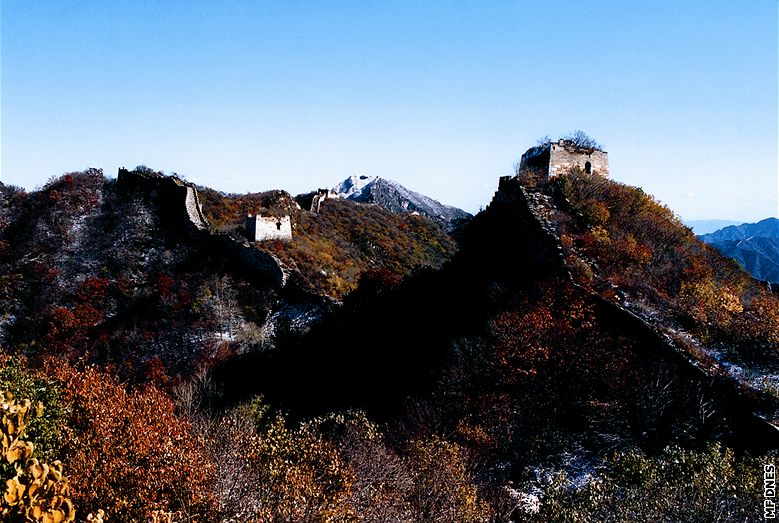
[700,227]
[575,325]
[766,228]
[754,245]
[396,198]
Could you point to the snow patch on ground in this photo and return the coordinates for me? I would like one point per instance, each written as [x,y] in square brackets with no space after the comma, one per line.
[292,318]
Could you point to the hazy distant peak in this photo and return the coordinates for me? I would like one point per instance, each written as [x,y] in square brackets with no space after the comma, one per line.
[767,228]
[754,245]
[700,227]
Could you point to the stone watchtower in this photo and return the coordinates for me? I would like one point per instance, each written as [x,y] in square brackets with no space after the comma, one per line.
[553,158]
[260,228]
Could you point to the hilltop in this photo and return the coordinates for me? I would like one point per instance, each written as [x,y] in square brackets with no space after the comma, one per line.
[396,198]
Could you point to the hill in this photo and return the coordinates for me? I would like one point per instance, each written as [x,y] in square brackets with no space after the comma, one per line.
[754,245]
[120,273]
[580,314]
[397,199]
[768,228]
[579,353]
[331,250]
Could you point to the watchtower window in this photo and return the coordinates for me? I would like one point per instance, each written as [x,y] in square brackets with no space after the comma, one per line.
[278,226]
[588,168]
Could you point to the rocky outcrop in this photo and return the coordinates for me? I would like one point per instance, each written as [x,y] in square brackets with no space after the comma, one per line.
[179,207]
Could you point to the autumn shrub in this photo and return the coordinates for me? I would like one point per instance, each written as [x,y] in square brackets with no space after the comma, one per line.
[677,485]
[302,475]
[128,453]
[427,479]
[442,490]
[381,476]
[268,469]
[639,245]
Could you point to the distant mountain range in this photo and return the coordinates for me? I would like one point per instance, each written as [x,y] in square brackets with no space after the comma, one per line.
[396,198]
[754,245]
[707,226]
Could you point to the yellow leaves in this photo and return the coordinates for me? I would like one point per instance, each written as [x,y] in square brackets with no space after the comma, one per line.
[96,517]
[18,450]
[37,469]
[57,509]
[39,491]
[730,301]
[14,492]
[14,417]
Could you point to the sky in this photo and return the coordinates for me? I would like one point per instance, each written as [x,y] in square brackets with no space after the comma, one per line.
[441,96]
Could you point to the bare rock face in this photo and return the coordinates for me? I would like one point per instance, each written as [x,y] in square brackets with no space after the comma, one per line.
[398,199]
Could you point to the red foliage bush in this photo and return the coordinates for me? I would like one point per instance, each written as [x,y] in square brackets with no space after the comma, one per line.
[128,453]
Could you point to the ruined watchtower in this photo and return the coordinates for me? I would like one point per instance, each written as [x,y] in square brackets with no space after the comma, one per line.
[260,228]
[553,158]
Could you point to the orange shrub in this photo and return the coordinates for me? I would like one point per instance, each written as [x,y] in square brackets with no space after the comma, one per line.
[128,453]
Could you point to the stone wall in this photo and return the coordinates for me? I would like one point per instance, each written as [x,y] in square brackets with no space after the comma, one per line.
[552,159]
[316,202]
[258,265]
[260,228]
[512,239]
[193,208]
[179,207]
[536,160]
[563,157]
[179,202]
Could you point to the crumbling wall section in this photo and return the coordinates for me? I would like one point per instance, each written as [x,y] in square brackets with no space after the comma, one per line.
[263,266]
[179,207]
[261,228]
[316,201]
[555,158]
[178,200]
[193,208]
[512,238]
[536,159]
[563,158]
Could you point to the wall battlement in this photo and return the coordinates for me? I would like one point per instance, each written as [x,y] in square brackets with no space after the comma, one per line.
[179,199]
[260,228]
[179,207]
[554,158]
[316,201]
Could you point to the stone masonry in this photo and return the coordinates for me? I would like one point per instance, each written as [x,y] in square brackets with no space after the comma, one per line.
[554,158]
[260,228]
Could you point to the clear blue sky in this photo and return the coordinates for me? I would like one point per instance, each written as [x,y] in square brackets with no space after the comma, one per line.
[441,96]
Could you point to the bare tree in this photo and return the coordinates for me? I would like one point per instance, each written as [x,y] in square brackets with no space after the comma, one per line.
[581,140]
